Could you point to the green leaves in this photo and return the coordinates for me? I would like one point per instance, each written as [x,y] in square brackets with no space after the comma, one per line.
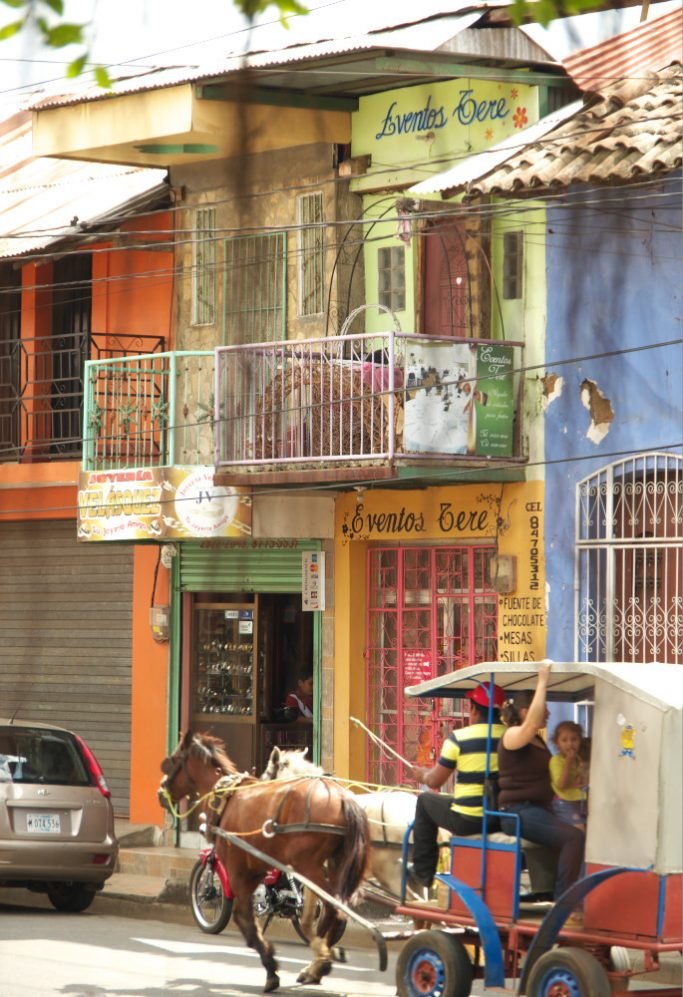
[10,29]
[251,8]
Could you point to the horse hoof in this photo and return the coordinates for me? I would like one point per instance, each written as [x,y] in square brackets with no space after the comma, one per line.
[272,983]
[326,968]
[339,953]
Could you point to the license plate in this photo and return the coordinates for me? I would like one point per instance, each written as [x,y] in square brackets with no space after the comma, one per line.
[43,823]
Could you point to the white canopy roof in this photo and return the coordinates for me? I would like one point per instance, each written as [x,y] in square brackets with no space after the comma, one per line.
[657,684]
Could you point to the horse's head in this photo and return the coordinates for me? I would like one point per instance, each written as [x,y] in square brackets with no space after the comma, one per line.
[193,769]
[289,765]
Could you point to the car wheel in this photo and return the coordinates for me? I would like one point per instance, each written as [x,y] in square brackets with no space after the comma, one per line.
[72,898]
[568,972]
[211,908]
[433,964]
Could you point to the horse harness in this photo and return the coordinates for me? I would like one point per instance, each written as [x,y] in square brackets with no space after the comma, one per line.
[272,826]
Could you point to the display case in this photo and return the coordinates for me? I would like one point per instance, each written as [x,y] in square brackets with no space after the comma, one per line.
[225,675]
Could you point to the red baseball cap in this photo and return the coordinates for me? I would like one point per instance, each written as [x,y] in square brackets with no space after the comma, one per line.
[481,695]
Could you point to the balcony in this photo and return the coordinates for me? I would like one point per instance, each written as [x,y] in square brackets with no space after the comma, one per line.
[363,404]
[151,410]
[41,391]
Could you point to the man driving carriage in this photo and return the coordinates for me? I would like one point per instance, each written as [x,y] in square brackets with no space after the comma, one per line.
[462,813]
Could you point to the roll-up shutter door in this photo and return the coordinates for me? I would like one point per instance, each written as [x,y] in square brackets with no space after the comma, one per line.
[272,568]
[66,640]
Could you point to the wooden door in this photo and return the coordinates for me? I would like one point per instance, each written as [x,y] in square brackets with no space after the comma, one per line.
[446,305]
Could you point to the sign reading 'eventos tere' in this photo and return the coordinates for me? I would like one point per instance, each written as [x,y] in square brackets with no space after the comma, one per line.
[417,124]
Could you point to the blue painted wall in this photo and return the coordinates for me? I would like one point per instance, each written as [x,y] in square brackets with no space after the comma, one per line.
[614,279]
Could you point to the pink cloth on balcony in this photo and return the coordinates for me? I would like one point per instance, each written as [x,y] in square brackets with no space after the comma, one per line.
[376,377]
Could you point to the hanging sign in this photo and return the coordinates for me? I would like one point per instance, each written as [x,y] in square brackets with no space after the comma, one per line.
[313,580]
[165,503]
[459,399]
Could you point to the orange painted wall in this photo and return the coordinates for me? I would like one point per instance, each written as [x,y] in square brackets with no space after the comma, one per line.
[133,288]
[149,692]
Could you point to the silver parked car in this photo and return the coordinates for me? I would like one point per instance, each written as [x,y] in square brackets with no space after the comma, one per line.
[56,818]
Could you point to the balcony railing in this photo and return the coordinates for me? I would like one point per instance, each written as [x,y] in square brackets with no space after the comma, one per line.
[366,398]
[149,411]
[41,391]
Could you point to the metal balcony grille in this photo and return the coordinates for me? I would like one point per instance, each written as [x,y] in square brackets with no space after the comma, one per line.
[41,391]
[149,411]
[629,561]
[365,398]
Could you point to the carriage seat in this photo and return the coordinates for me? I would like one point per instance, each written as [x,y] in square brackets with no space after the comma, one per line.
[541,861]
[498,838]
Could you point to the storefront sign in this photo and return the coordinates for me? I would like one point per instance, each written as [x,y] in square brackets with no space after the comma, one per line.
[160,504]
[456,116]
[313,580]
[459,399]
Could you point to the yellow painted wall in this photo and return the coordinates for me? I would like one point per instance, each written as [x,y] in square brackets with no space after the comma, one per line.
[511,515]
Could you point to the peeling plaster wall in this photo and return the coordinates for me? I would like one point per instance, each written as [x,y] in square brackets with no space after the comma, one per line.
[614,283]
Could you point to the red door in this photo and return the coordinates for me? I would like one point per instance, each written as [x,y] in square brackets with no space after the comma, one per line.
[446,305]
[431,610]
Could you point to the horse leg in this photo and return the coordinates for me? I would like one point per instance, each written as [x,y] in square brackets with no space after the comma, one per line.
[243,916]
[321,964]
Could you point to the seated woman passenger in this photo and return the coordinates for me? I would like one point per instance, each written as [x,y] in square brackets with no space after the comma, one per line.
[524,780]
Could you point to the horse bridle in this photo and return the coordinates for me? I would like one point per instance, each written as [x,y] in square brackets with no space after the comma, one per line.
[172,766]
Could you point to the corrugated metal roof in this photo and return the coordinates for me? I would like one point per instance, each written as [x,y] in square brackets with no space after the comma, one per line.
[651,45]
[39,198]
[629,130]
[428,32]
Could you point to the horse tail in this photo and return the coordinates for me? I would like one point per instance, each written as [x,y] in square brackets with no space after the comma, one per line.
[350,859]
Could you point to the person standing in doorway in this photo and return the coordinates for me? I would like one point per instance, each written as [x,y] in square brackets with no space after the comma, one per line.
[301,698]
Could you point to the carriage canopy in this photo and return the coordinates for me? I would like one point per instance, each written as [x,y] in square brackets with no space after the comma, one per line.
[636,783]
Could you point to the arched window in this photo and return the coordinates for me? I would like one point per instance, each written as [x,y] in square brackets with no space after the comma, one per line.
[629,561]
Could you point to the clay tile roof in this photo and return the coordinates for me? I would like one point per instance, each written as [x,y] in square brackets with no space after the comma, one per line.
[629,130]
[651,45]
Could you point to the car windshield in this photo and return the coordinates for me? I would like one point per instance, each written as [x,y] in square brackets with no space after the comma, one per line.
[31,755]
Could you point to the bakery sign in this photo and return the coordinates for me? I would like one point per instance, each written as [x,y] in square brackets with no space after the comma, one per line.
[167,503]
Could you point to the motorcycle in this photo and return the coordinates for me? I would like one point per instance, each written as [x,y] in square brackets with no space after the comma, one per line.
[211,896]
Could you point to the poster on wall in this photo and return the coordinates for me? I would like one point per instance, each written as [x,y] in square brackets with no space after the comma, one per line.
[458,399]
[167,503]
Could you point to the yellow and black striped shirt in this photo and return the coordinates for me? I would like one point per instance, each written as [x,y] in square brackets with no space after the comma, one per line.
[465,750]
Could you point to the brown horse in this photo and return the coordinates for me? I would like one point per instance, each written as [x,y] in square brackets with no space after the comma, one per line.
[313,825]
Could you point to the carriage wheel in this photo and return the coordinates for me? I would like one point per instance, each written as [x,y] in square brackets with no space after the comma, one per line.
[211,908]
[433,964]
[568,972]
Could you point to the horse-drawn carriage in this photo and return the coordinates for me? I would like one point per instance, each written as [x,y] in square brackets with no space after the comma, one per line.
[631,890]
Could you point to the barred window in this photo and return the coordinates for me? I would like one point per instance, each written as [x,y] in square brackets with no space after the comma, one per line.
[311,258]
[255,309]
[204,267]
[513,265]
[630,561]
[391,266]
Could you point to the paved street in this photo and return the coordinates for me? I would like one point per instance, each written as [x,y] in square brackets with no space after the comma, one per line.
[45,954]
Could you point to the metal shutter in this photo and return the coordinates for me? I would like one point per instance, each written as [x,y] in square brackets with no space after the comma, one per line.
[242,569]
[66,641]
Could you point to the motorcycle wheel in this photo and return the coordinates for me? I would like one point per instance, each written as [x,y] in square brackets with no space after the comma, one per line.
[211,909]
